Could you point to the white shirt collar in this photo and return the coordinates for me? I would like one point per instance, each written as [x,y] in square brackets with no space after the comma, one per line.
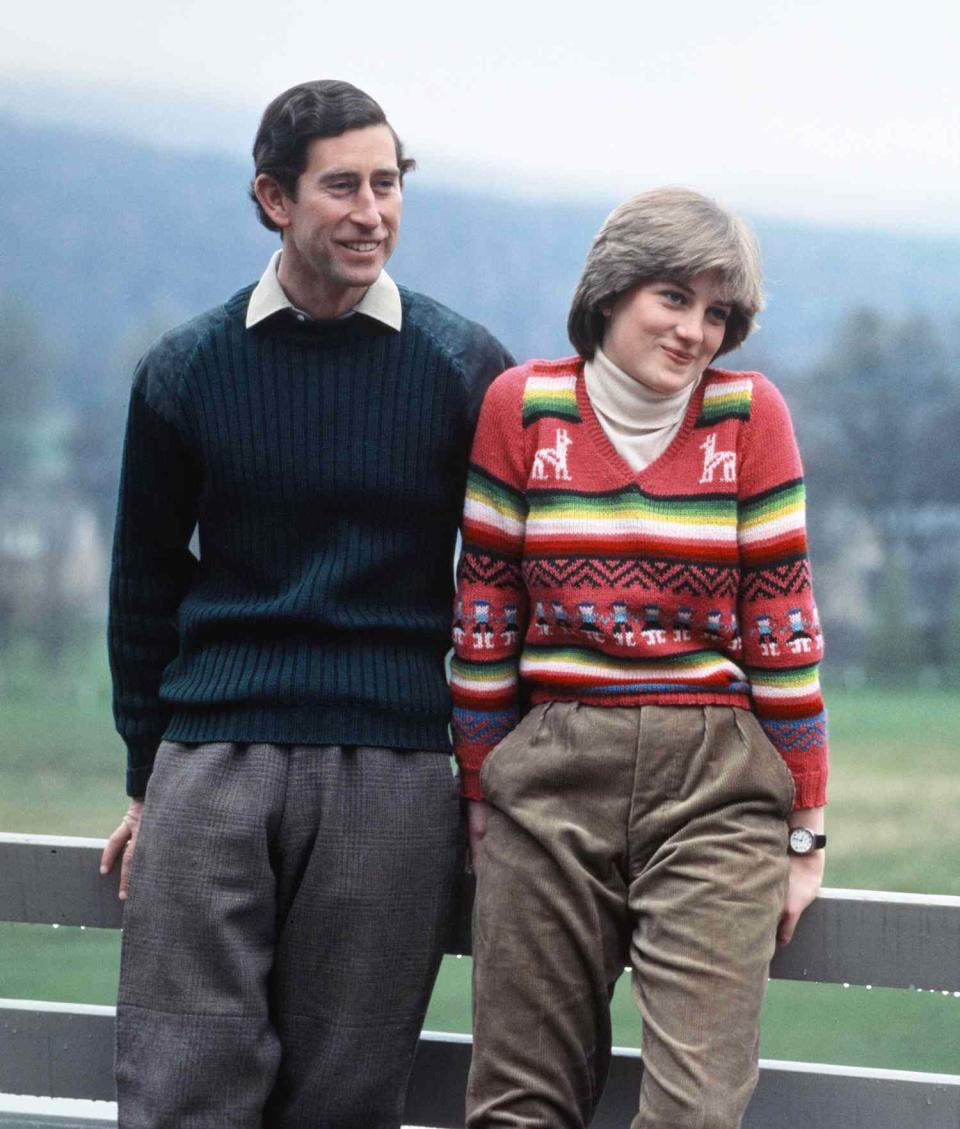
[381,301]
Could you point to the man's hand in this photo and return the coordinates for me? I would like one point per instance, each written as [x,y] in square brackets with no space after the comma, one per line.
[806,874]
[122,842]
[476,828]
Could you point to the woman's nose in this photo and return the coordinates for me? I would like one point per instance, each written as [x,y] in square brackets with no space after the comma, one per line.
[690,326]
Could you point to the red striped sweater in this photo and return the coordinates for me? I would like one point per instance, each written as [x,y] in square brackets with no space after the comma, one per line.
[684,584]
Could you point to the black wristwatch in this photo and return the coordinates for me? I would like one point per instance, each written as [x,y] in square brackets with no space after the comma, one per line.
[802,841]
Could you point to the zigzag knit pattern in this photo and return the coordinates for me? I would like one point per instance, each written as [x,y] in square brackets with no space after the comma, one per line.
[672,576]
[685,584]
[788,579]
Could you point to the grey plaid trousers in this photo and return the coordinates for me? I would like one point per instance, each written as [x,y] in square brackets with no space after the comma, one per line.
[285,923]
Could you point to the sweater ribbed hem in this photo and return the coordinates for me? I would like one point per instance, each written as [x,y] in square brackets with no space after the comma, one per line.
[337,725]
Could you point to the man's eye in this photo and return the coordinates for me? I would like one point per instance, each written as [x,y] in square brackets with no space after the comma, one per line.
[386,185]
[340,186]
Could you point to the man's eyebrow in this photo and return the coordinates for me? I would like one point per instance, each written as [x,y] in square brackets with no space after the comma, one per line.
[347,173]
[337,174]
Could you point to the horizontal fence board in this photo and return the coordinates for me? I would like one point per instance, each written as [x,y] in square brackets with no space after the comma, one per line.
[57,1051]
[802,1096]
[791,1099]
[67,1053]
[19,1112]
[51,880]
[847,936]
[50,1121]
[883,939]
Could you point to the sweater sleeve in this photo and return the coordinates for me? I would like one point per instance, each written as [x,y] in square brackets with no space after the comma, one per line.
[782,639]
[490,614]
[152,566]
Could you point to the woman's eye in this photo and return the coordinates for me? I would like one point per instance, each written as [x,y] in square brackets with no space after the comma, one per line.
[672,296]
[720,314]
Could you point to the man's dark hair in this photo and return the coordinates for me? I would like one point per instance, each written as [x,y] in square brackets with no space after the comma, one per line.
[325,108]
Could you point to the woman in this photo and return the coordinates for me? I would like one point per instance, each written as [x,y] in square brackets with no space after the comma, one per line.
[634,569]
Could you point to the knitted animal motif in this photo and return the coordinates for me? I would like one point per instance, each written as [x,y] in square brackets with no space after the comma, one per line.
[555,457]
[712,459]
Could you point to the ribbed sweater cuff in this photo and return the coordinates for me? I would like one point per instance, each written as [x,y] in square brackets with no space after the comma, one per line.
[140,758]
[811,789]
[470,784]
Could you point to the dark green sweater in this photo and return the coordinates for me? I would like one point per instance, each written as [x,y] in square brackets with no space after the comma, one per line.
[323,466]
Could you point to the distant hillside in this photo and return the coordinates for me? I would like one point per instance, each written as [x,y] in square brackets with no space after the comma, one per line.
[102,238]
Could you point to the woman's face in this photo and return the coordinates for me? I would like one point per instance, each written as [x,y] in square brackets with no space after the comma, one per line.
[664,334]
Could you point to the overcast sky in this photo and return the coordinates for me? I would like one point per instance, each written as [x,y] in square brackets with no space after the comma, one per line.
[838,110]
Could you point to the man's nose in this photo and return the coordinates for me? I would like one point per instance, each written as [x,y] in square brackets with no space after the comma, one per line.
[365,210]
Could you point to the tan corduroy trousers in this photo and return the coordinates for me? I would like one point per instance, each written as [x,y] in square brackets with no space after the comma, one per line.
[654,837]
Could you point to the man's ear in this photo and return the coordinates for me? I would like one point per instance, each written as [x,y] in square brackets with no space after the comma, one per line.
[273,199]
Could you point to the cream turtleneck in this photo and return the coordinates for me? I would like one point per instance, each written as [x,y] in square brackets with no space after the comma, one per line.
[638,422]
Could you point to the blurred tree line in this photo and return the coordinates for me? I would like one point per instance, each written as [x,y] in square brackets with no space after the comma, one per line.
[59,466]
[878,419]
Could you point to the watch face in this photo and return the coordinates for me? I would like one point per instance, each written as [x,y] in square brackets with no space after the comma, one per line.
[801,841]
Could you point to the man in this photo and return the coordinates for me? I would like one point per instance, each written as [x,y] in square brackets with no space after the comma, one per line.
[284,694]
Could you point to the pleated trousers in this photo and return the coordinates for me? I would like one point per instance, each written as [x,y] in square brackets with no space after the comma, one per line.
[653,837]
[285,923]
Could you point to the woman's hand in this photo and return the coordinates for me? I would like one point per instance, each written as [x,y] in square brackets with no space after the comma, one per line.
[476,828]
[122,842]
[806,875]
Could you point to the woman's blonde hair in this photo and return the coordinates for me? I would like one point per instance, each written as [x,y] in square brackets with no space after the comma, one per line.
[672,234]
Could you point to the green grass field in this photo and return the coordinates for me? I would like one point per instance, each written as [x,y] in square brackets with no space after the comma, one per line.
[895,801]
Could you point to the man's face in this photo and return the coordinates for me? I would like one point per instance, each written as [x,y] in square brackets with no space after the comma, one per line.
[342,226]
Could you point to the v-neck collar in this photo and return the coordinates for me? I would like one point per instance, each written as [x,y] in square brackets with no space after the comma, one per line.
[612,457]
